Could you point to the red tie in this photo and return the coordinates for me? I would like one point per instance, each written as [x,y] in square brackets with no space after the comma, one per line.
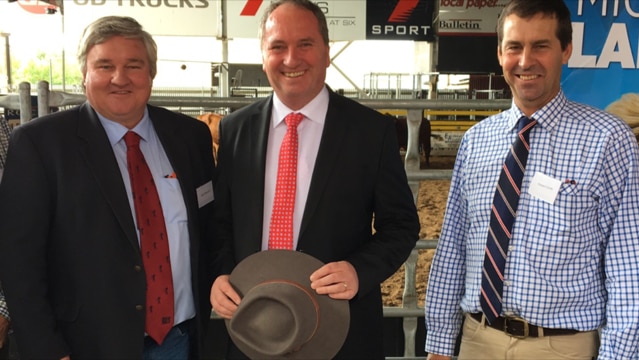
[281,231]
[154,243]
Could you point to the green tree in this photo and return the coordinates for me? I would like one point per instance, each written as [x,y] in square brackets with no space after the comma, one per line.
[47,67]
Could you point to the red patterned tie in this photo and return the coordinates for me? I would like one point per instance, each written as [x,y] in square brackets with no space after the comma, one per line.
[281,230]
[154,243]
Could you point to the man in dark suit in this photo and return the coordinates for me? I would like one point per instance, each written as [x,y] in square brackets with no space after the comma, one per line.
[71,259]
[353,208]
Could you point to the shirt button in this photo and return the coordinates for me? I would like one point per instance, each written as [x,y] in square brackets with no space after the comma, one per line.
[507,283]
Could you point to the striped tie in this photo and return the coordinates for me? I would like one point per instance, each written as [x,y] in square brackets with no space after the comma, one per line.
[502,217]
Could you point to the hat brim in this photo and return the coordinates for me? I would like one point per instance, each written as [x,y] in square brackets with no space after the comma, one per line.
[334,315]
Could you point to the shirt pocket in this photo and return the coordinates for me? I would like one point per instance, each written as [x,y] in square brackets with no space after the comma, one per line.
[568,189]
[561,237]
[173,205]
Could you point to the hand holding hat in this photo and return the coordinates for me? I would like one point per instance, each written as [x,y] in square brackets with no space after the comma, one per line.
[280,316]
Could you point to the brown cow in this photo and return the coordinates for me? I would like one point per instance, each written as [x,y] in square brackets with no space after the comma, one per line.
[213,121]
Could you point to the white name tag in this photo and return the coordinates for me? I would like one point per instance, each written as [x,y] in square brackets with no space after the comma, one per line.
[205,194]
[544,187]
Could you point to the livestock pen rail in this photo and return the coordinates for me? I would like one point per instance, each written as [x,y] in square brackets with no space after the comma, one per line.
[415,108]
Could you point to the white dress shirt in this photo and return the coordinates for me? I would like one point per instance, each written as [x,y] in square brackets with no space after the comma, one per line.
[310,134]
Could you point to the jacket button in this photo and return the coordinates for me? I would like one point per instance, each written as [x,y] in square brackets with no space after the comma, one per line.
[139,307]
[138,268]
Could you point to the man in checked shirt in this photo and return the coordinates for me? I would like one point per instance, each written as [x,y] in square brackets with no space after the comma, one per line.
[571,276]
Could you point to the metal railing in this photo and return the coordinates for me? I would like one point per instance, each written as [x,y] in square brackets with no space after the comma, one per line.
[409,311]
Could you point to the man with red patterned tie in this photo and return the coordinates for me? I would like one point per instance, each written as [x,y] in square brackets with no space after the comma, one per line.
[346,176]
[106,212]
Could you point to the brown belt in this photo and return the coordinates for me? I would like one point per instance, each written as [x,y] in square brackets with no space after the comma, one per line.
[520,328]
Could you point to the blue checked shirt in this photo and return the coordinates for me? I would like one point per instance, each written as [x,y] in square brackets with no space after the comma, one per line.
[572,264]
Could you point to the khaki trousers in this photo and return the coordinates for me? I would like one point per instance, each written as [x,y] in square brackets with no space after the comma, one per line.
[481,342]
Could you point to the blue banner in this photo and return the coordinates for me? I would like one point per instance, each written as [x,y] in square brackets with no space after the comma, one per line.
[605,59]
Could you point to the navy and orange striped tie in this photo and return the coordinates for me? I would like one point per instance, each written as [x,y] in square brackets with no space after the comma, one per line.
[502,218]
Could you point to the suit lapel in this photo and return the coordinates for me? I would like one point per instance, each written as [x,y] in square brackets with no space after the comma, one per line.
[97,151]
[259,127]
[333,135]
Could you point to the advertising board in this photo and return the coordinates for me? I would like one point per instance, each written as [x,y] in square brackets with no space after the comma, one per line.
[348,19]
[605,58]
[159,17]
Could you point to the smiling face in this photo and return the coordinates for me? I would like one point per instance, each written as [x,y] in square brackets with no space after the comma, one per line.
[118,80]
[531,58]
[294,55]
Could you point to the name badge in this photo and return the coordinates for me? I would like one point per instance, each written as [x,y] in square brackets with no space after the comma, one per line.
[205,194]
[544,187]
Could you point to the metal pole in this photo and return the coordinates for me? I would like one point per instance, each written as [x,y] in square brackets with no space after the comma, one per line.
[64,56]
[8,60]
[223,80]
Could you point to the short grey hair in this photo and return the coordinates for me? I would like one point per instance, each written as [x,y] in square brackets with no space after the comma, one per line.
[107,27]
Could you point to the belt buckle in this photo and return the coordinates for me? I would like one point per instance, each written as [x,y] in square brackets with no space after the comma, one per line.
[509,330]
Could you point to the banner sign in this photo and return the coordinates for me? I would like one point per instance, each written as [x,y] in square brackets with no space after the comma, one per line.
[159,17]
[469,17]
[400,20]
[468,27]
[348,19]
[605,58]
[345,18]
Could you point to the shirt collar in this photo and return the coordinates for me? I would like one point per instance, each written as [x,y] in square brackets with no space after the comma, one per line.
[547,117]
[116,131]
[315,110]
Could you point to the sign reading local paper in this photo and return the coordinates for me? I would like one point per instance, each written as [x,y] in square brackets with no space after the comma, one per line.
[605,58]
[469,17]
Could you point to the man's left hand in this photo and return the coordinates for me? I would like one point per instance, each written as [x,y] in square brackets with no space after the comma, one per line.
[337,279]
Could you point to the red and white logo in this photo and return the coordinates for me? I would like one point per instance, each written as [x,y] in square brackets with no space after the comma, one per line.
[39,6]
[402,10]
[251,7]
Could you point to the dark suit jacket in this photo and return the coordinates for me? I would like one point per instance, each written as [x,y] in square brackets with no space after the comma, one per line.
[358,175]
[70,262]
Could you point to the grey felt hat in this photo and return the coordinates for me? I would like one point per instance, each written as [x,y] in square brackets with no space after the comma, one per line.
[280,316]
